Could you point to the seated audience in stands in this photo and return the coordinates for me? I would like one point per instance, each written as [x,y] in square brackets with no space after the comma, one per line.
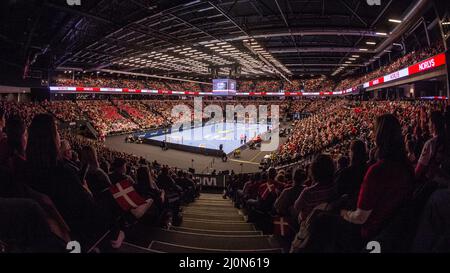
[119,171]
[249,190]
[320,188]
[284,205]
[2,124]
[166,182]
[433,230]
[48,174]
[388,183]
[12,158]
[67,155]
[25,228]
[436,151]
[96,178]
[267,194]
[147,187]
[349,180]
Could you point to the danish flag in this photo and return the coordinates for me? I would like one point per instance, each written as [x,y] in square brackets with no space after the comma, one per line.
[266,190]
[126,196]
[282,227]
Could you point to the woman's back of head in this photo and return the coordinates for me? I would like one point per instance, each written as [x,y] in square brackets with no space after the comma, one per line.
[389,139]
[322,169]
[143,175]
[89,156]
[16,134]
[358,153]
[43,143]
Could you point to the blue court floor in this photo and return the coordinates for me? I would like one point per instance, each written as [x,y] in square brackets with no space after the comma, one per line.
[211,136]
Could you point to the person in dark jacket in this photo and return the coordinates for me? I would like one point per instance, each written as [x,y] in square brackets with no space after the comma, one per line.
[349,180]
[49,175]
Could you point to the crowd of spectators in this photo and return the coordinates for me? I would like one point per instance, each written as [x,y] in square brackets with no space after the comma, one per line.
[26,110]
[404,61]
[309,85]
[57,187]
[105,117]
[120,82]
[140,114]
[387,181]
[66,111]
[350,172]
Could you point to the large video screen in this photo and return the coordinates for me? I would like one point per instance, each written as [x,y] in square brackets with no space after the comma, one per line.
[224,87]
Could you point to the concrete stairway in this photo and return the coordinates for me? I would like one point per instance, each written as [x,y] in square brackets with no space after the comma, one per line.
[210,224]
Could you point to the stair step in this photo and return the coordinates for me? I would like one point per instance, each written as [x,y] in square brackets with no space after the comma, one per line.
[225,242]
[176,248]
[212,216]
[219,209]
[214,199]
[216,232]
[218,226]
[209,203]
[132,248]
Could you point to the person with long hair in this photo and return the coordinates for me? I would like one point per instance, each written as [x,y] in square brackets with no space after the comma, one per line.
[48,174]
[12,157]
[147,187]
[349,179]
[96,179]
[388,183]
[435,149]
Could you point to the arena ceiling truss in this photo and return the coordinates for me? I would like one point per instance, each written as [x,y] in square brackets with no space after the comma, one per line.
[261,38]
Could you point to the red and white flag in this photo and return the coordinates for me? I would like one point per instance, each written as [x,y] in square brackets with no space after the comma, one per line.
[266,190]
[281,227]
[126,196]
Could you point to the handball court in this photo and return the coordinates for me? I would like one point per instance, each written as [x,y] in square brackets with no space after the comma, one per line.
[247,163]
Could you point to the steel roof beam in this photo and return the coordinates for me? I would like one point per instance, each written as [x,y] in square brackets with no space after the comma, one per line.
[325,64]
[317,49]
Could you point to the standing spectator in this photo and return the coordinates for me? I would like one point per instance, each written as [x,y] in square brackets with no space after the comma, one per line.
[349,179]
[387,184]
[49,175]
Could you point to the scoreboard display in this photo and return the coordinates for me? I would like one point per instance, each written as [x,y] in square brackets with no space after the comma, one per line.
[224,87]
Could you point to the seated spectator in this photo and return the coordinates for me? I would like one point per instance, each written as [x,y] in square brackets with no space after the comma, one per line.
[2,122]
[267,194]
[66,155]
[2,135]
[410,146]
[147,187]
[249,190]
[436,151]
[96,179]
[189,187]
[119,171]
[284,205]
[24,227]
[321,189]
[387,185]
[13,157]
[433,231]
[342,163]
[166,182]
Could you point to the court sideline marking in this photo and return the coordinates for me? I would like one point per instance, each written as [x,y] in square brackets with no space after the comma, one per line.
[243,161]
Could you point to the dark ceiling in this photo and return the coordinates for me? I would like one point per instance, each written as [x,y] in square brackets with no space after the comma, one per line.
[266,38]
